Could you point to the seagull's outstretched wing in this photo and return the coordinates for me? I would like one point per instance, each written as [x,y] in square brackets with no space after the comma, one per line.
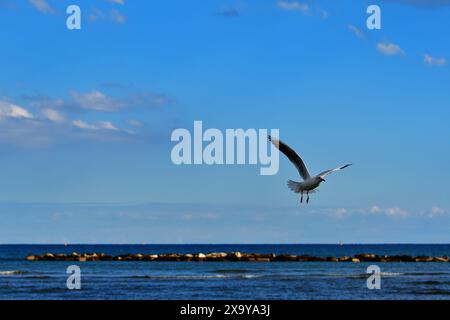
[325,173]
[292,156]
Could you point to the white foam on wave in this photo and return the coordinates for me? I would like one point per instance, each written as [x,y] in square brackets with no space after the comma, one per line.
[10,272]
[391,274]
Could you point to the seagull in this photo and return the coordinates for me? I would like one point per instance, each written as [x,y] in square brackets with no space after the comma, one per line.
[310,184]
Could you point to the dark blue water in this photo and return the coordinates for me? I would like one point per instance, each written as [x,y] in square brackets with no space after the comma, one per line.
[20,279]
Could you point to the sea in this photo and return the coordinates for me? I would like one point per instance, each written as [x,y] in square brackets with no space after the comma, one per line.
[106,280]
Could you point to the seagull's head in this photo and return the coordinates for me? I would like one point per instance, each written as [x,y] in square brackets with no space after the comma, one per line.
[321,179]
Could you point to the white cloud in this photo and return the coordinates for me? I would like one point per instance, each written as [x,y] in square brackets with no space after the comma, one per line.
[114,15]
[100,125]
[117,17]
[53,115]
[432,61]
[437,211]
[341,213]
[9,110]
[356,31]
[375,209]
[116,1]
[134,123]
[42,6]
[293,6]
[96,100]
[396,212]
[390,49]
[96,15]
[323,13]
[228,12]
[390,212]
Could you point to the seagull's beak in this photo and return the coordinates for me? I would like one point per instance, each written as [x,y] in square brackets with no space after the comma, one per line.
[322,180]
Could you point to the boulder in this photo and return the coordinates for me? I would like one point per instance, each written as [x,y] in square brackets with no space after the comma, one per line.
[49,257]
[261,259]
[31,258]
[248,257]
[316,259]
[355,260]
[405,258]
[269,256]
[187,257]
[423,259]
[332,259]
[345,259]
[441,259]
[401,258]
[150,257]
[216,255]
[286,257]
[367,257]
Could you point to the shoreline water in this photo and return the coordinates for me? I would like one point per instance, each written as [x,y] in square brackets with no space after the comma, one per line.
[22,279]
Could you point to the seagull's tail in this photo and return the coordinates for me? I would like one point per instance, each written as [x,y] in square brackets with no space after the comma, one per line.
[294,186]
[297,187]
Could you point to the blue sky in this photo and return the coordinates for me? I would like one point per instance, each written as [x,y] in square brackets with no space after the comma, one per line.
[86,118]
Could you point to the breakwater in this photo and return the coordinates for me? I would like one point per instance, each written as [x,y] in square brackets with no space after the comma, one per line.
[232,257]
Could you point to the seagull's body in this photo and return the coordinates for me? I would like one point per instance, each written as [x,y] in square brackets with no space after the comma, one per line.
[309,183]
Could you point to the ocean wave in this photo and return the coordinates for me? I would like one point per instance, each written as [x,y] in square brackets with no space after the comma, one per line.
[38,277]
[427,273]
[11,272]
[354,276]
[232,271]
[195,277]
[432,292]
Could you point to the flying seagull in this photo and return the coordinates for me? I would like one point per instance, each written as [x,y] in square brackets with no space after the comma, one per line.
[310,184]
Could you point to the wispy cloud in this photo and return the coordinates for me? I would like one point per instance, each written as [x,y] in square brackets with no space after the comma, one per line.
[122,2]
[391,212]
[113,15]
[96,15]
[437,212]
[42,124]
[293,6]
[117,17]
[356,31]
[390,49]
[134,123]
[433,61]
[9,110]
[53,115]
[42,6]
[99,125]
[228,12]
[96,100]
